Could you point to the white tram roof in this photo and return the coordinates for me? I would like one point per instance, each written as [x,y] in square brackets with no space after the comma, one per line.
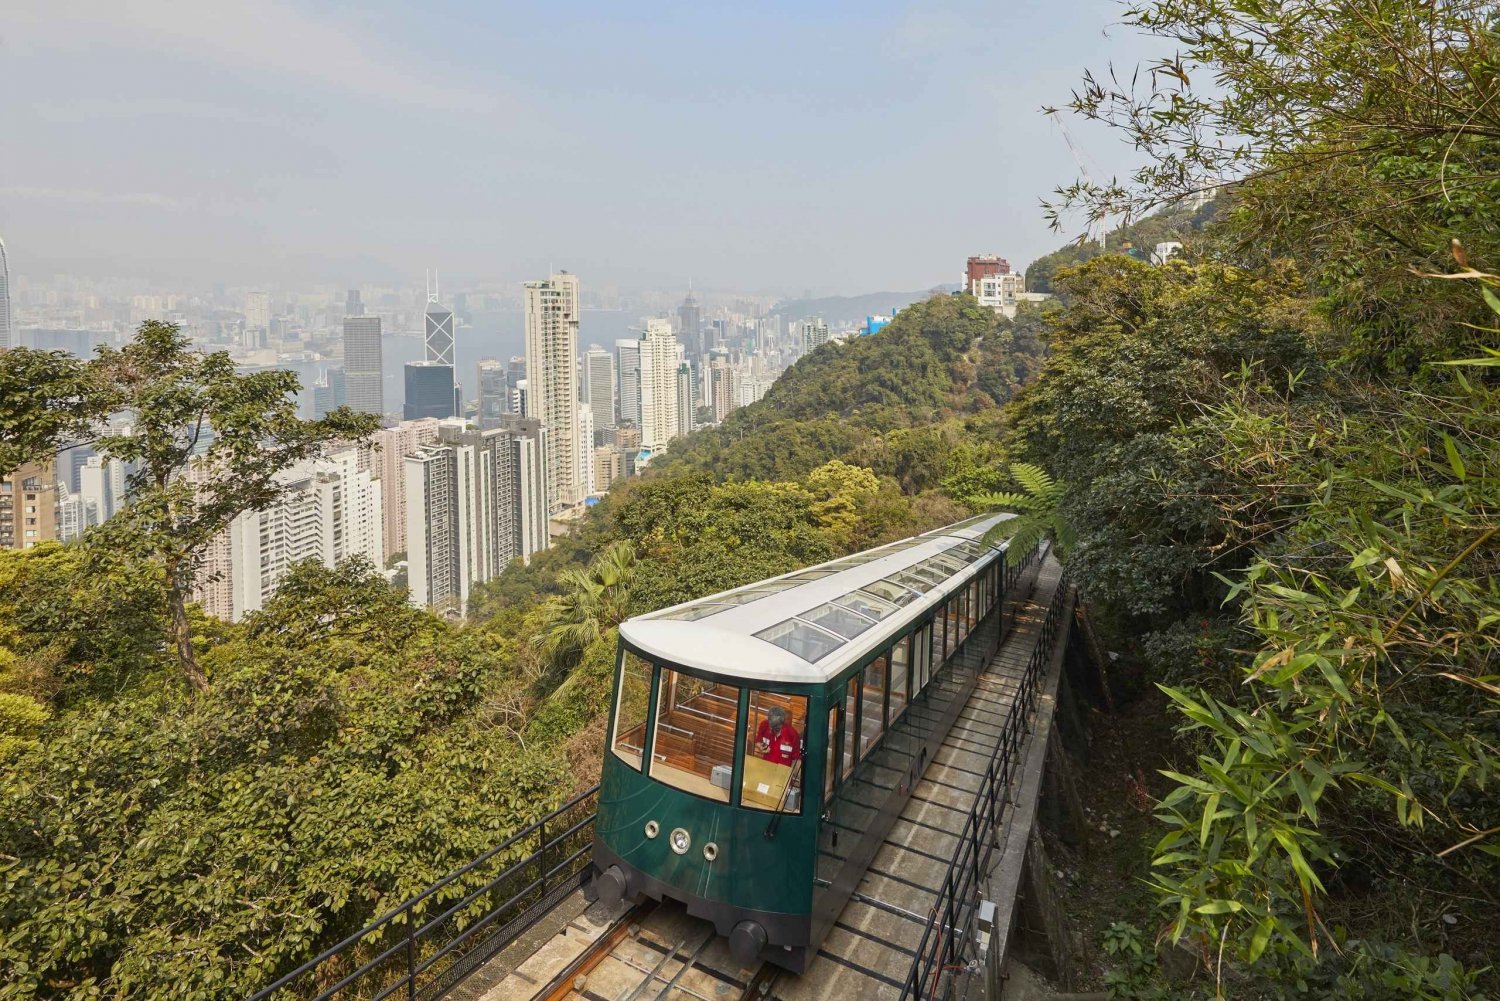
[807,626]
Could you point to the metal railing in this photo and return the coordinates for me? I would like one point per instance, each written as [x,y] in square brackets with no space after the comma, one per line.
[430,943]
[951,925]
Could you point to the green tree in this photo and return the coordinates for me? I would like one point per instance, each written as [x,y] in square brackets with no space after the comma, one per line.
[237,432]
[51,400]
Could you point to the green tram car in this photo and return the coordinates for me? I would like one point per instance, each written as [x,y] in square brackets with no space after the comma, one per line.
[870,658]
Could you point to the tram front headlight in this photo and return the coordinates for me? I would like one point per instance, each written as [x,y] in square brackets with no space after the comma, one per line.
[681,841]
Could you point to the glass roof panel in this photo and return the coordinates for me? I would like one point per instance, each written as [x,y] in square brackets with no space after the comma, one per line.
[866,604]
[808,642]
[921,585]
[890,591]
[692,612]
[932,575]
[946,562]
[840,620]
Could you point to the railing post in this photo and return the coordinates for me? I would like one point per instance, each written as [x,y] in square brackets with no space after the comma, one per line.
[541,850]
[411,962]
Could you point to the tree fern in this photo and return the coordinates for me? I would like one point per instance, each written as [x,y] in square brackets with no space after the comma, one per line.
[1037,512]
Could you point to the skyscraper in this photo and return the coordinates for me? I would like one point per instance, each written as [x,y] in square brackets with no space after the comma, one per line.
[352,304]
[330,392]
[363,389]
[552,378]
[531,486]
[257,318]
[437,322]
[628,352]
[429,391]
[494,393]
[425,378]
[7,337]
[690,324]
[685,402]
[467,498]
[660,357]
[599,388]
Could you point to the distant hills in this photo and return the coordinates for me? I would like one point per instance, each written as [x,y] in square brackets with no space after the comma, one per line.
[854,308]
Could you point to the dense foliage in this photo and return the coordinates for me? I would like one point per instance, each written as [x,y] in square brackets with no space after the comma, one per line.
[1281,488]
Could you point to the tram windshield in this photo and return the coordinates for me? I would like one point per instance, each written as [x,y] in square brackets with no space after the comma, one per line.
[775,752]
[692,745]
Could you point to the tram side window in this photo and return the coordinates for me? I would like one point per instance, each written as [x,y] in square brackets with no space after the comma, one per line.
[692,744]
[830,767]
[900,669]
[774,752]
[872,722]
[940,637]
[851,718]
[630,709]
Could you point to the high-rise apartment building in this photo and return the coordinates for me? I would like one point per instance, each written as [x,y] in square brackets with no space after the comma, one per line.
[599,388]
[723,388]
[814,335]
[28,505]
[363,381]
[518,397]
[586,448]
[7,330]
[494,393]
[660,357]
[686,403]
[328,510]
[552,311]
[393,445]
[531,484]
[470,511]
[628,408]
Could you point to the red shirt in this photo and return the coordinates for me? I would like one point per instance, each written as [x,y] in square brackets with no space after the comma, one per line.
[786,746]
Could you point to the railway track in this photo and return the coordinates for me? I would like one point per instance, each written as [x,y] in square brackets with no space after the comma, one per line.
[658,952]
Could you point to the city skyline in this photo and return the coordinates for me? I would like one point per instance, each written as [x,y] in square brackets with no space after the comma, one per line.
[831,110]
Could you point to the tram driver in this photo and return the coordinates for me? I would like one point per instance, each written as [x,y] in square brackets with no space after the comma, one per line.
[777,741]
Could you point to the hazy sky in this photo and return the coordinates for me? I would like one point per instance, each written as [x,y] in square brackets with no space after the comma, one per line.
[769,146]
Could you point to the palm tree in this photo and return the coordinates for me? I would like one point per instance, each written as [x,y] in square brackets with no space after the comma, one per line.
[1038,512]
[594,600]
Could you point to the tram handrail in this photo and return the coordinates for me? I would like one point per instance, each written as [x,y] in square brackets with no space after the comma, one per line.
[408,962]
[951,923]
